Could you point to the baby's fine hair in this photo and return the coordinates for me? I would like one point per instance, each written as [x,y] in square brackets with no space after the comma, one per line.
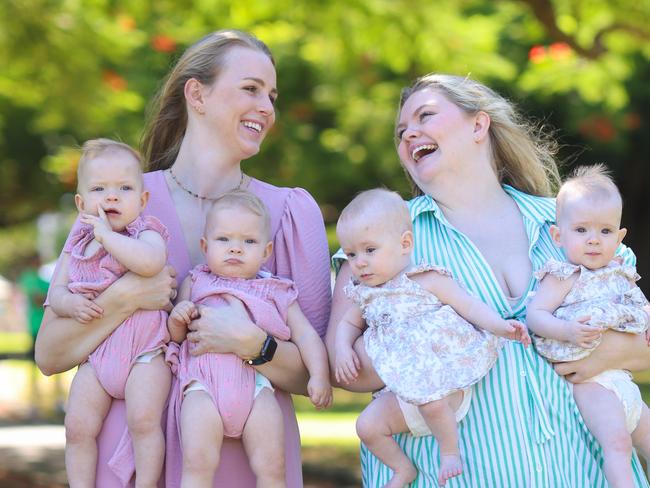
[378,203]
[241,199]
[594,182]
[94,148]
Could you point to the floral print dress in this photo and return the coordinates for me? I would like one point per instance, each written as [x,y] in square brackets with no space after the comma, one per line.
[608,295]
[421,348]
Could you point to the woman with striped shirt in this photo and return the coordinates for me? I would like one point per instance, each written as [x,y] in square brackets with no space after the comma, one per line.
[482,177]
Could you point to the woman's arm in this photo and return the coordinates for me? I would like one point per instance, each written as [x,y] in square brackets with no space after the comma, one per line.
[618,350]
[63,343]
[367,379]
[229,329]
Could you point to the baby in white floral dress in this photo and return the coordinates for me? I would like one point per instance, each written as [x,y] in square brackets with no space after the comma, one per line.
[575,301]
[419,335]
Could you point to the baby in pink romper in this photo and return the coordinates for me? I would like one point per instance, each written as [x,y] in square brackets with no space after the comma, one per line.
[222,394]
[112,239]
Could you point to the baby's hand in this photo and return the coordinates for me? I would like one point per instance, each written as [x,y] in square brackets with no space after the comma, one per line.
[320,392]
[347,365]
[518,332]
[183,313]
[83,309]
[100,223]
[582,334]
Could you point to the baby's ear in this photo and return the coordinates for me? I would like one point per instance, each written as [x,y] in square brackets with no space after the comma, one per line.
[554,230]
[621,234]
[407,241]
[144,198]
[79,202]
[203,243]
[268,249]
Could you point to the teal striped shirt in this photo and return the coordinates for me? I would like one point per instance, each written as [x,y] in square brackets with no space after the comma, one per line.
[523,428]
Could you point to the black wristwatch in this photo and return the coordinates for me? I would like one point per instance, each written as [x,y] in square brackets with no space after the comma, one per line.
[267,352]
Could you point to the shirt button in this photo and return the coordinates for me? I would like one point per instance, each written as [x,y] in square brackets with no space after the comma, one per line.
[539,468]
[523,373]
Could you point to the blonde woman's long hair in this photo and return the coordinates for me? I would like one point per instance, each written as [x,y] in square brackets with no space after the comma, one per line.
[523,154]
[167,121]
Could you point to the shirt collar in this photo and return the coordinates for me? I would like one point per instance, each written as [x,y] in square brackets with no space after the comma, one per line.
[534,208]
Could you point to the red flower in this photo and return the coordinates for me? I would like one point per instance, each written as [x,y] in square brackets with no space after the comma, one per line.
[598,127]
[537,54]
[163,43]
[114,81]
[560,51]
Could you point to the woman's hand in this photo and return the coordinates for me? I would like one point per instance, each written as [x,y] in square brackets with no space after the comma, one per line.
[618,350]
[226,329]
[153,293]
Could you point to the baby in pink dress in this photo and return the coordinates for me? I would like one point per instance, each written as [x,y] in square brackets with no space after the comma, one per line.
[112,239]
[222,394]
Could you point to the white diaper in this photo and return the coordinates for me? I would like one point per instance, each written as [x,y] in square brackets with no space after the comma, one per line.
[620,382]
[415,421]
[146,357]
[261,382]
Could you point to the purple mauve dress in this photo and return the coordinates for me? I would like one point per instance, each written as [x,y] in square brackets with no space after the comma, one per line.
[229,381]
[300,253]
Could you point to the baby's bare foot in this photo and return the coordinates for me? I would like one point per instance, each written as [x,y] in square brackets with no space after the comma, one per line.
[402,477]
[450,466]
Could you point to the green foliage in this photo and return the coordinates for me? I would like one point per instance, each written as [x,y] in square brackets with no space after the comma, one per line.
[79,69]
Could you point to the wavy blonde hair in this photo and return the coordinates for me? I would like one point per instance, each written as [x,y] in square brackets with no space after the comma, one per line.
[523,154]
[202,61]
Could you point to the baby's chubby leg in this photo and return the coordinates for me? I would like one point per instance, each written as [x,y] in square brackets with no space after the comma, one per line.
[641,435]
[201,438]
[147,388]
[88,405]
[603,413]
[263,439]
[376,425]
[441,419]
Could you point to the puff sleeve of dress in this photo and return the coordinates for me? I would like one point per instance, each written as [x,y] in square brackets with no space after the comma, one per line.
[301,253]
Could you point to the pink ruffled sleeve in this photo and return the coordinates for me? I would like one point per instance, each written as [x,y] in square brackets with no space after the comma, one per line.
[147,222]
[301,254]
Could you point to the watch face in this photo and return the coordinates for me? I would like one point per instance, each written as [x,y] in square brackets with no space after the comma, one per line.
[268,350]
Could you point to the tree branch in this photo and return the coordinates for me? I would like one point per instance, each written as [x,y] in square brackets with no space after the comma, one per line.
[545,13]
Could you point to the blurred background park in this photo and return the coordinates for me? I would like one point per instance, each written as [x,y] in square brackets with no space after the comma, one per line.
[78,69]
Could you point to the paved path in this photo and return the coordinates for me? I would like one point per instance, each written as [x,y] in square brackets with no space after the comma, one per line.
[32,456]
[35,451]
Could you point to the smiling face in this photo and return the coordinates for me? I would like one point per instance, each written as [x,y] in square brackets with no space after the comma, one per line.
[239,106]
[112,180]
[433,135]
[236,242]
[588,230]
